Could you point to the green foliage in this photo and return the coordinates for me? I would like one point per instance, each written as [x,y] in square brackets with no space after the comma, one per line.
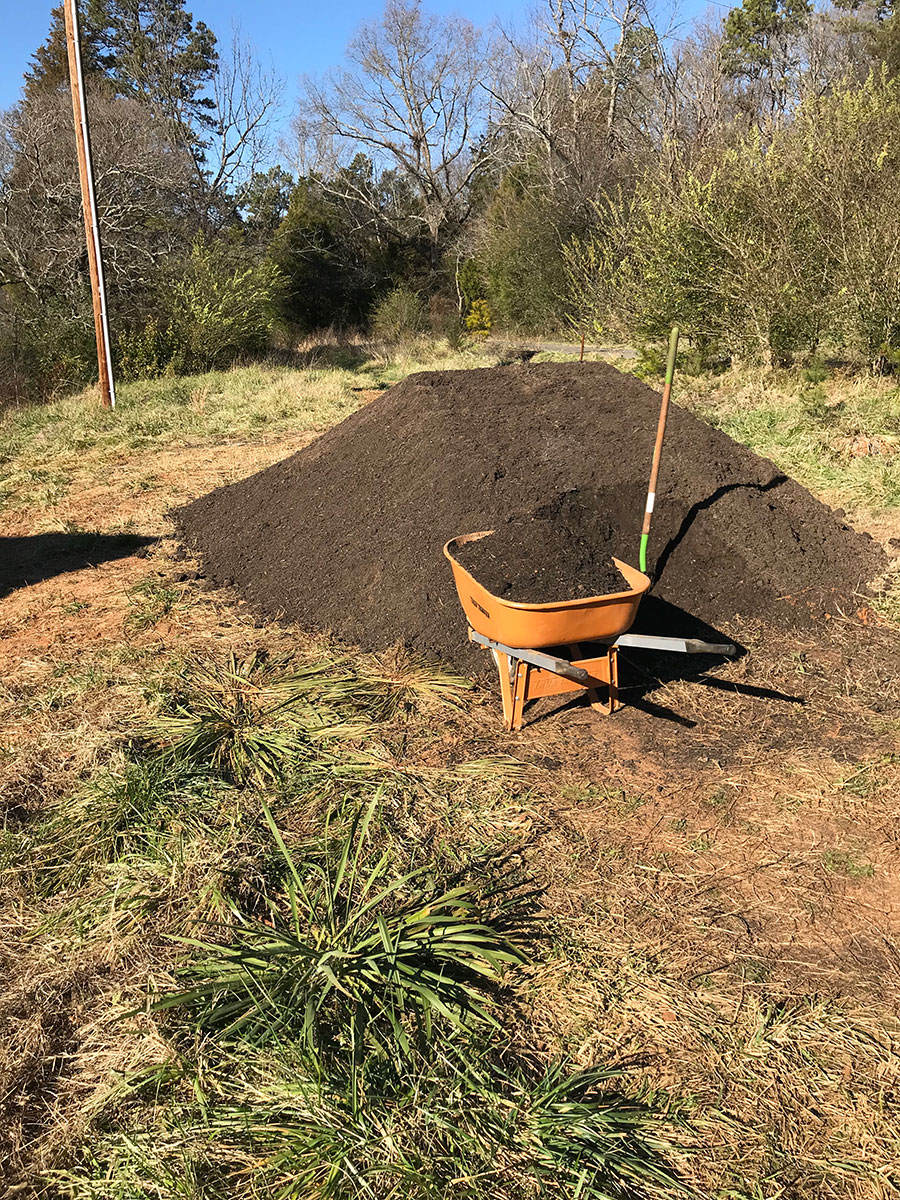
[767,250]
[266,201]
[478,318]
[49,68]
[134,806]
[752,32]
[469,281]
[48,349]
[218,307]
[399,315]
[144,352]
[221,309]
[445,321]
[329,277]
[884,41]
[520,258]
[452,1124]
[353,960]
[592,1144]
[156,51]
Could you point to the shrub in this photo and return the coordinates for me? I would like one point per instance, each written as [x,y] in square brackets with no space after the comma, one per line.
[445,321]
[144,352]
[478,320]
[399,315]
[770,247]
[520,257]
[220,309]
[47,349]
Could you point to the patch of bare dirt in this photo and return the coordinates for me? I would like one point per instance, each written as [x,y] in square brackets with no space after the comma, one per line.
[728,840]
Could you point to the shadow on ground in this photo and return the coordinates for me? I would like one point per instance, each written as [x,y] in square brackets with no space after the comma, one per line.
[34,558]
[642,672]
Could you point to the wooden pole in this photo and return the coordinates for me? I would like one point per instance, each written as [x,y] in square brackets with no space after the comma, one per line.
[89,207]
[657,449]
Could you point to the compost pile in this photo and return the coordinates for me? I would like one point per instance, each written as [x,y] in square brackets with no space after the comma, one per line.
[563,551]
[347,534]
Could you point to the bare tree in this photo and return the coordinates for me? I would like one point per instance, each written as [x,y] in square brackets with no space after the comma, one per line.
[141,181]
[411,98]
[238,142]
[581,88]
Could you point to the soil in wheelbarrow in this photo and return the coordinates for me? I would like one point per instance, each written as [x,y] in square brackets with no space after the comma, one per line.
[346,535]
[563,551]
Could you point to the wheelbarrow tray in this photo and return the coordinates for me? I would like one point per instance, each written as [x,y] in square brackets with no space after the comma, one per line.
[558,623]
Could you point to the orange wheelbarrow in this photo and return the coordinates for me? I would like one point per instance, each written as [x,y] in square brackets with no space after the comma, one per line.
[517,634]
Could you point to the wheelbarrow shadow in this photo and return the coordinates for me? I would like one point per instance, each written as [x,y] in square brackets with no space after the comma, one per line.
[643,672]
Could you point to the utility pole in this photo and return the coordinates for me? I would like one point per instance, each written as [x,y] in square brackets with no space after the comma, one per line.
[89,206]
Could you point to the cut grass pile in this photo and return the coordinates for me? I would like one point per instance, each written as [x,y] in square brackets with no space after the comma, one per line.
[285,920]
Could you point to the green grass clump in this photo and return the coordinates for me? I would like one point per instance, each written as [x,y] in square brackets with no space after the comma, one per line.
[452,1125]
[151,600]
[352,958]
[132,805]
[847,863]
[251,720]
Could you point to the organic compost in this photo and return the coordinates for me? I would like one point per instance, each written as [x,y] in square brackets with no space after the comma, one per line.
[555,553]
[346,535]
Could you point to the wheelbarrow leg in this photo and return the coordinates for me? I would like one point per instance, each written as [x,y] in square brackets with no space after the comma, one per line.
[513,681]
[612,669]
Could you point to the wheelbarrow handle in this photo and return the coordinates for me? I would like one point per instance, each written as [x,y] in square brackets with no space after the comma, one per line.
[559,666]
[648,641]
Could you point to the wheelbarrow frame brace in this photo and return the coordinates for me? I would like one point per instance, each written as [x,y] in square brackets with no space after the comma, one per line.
[527,675]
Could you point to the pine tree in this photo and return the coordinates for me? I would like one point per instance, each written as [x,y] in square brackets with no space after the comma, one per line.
[161,56]
[49,69]
[152,50]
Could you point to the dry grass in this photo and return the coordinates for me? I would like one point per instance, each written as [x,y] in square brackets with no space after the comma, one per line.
[719,902]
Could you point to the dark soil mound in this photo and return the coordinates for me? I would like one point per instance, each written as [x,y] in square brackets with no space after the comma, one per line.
[347,534]
[563,551]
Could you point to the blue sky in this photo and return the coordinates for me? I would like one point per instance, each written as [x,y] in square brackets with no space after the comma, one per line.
[294,38]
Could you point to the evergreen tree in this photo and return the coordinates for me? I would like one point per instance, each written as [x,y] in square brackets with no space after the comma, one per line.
[49,67]
[152,50]
[265,203]
[327,279]
[160,55]
[760,46]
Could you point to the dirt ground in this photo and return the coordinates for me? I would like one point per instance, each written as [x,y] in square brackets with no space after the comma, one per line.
[735,824]
[757,798]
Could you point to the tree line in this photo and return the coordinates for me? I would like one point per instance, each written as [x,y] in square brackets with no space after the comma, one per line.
[599,169]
